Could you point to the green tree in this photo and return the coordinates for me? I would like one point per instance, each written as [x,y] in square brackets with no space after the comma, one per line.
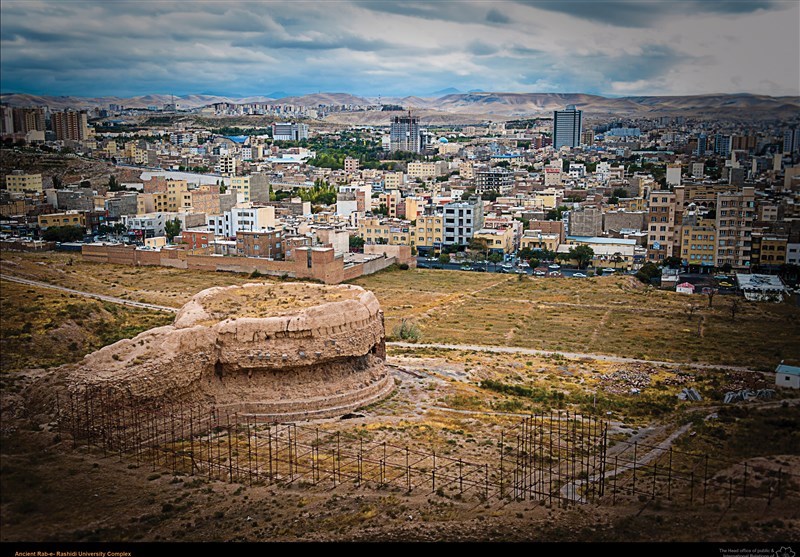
[113,184]
[672,262]
[583,254]
[172,228]
[64,234]
[356,244]
[648,271]
[444,258]
[495,258]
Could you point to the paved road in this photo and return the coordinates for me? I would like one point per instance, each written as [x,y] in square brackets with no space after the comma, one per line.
[102,297]
[534,352]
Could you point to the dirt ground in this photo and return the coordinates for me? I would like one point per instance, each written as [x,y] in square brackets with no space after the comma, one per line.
[52,492]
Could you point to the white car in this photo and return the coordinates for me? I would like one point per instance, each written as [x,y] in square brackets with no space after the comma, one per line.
[579,275]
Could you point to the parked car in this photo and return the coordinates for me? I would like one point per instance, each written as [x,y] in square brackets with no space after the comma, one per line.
[726,284]
[579,275]
[609,271]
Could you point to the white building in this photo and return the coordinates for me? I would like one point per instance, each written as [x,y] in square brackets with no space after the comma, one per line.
[461,220]
[787,376]
[249,219]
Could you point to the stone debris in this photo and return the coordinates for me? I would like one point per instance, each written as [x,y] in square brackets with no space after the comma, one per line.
[690,394]
[748,394]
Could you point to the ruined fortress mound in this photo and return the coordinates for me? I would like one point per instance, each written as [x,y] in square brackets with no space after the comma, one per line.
[269,352]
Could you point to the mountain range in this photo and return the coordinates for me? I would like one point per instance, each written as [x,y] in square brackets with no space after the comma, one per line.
[475,102]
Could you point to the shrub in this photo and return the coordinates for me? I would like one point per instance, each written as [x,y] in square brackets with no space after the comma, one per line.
[406,330]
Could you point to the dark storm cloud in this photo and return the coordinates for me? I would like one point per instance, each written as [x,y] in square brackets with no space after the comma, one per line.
[394,48]
[638,13]
[494,16]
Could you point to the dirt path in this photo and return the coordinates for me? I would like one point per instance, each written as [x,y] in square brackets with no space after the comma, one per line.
[573,355]
[102,297]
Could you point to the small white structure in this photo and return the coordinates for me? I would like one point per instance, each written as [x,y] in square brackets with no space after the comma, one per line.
[787,376]
[685,288]
[761,288]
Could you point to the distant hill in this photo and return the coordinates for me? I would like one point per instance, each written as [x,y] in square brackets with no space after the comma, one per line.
[488,104]
[442,92]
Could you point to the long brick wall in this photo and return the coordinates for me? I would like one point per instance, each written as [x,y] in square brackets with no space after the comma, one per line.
[321,265]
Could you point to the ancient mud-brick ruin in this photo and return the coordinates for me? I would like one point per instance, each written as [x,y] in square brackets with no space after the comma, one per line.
[263,351]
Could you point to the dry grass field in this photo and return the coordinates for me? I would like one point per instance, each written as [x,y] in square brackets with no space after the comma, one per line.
[44,328]
[606,315]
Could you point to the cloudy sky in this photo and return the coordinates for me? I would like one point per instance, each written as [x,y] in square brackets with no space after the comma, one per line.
[396,48]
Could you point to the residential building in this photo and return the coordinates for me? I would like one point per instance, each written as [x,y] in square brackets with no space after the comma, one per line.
[178,196]
[390,231]
[735,214]
[722,144]
[461,220]
[70,125]
[673,174]
[495,179]
[263,243]
[151,203]
[251,219]
[289,131]
[404,134]
[227,165]
[392,180]
[539,240]
[145,226]
[500,240]
[351,165]
[418,169]
[197,239]
[698,246]
[69,218]
[661,225]
[768,250]
[207,199]
[586,222]
[567,127]
[28,119]
[791,140]
[19,182]
[428,233]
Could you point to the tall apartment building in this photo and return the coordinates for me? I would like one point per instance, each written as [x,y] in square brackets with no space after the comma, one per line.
[227,165]
[461,220]
[404,134]
[289,131]
[791,140]
[496,179]
[567,126]
[28,119]
[428,233]
[178,196]
[722,144]
[661,221]
[698,246]
[735,214]
[70,125]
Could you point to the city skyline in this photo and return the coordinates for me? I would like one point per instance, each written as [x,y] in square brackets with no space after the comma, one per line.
[369,48]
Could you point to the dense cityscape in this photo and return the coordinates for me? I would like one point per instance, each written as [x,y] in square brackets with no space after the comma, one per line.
[398,314]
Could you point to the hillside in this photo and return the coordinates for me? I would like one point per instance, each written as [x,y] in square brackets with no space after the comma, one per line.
[479,105]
